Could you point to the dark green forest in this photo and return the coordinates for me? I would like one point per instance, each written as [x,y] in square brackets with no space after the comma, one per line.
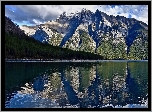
[28,48]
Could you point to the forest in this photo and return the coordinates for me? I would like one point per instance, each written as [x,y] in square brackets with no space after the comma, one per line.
[28,48]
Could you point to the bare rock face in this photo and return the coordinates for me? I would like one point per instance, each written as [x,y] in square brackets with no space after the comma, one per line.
[29,30]
[113,37]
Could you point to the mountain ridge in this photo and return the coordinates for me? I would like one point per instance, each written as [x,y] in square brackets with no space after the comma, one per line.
[98,26]
[19,46]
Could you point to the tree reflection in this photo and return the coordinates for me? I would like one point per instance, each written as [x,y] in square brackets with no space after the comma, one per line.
[95,86]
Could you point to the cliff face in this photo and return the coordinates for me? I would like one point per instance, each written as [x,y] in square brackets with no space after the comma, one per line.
[112,37]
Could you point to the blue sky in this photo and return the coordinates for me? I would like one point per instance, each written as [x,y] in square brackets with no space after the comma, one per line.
[37,14]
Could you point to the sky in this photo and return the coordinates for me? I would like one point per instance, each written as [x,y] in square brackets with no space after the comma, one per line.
[38,14]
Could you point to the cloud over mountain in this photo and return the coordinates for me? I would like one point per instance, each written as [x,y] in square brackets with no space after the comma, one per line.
[37,14]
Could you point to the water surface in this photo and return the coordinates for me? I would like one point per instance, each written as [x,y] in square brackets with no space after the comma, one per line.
[76,84]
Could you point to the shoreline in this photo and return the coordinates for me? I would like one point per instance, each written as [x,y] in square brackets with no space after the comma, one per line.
[57,60]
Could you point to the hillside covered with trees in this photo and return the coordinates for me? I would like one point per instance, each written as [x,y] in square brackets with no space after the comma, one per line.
[27,47]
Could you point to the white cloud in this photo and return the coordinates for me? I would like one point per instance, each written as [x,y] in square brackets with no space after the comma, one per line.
[37,21]
[43,13]
[75,8]
[139,12]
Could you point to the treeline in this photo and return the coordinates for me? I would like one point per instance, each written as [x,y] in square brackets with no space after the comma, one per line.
[27,47]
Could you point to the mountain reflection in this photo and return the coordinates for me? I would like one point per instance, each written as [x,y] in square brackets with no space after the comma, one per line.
[97,85]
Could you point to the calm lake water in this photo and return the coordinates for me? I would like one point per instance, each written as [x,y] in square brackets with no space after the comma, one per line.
[76,85]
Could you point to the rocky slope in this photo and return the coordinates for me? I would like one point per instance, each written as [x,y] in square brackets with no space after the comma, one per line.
[112,37]
[19,45]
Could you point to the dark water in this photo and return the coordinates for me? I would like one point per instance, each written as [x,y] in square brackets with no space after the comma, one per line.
[76,85]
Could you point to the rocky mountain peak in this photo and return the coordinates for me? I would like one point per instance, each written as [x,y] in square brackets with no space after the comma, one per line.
[77,30]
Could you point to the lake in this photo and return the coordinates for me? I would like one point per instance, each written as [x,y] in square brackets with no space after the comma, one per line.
[109,84]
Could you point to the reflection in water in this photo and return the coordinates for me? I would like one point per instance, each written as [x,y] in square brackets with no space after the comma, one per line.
[39,82]
[99,85]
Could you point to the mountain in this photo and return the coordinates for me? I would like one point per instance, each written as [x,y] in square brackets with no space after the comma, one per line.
[11,28]
[19,45]
[112,37]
